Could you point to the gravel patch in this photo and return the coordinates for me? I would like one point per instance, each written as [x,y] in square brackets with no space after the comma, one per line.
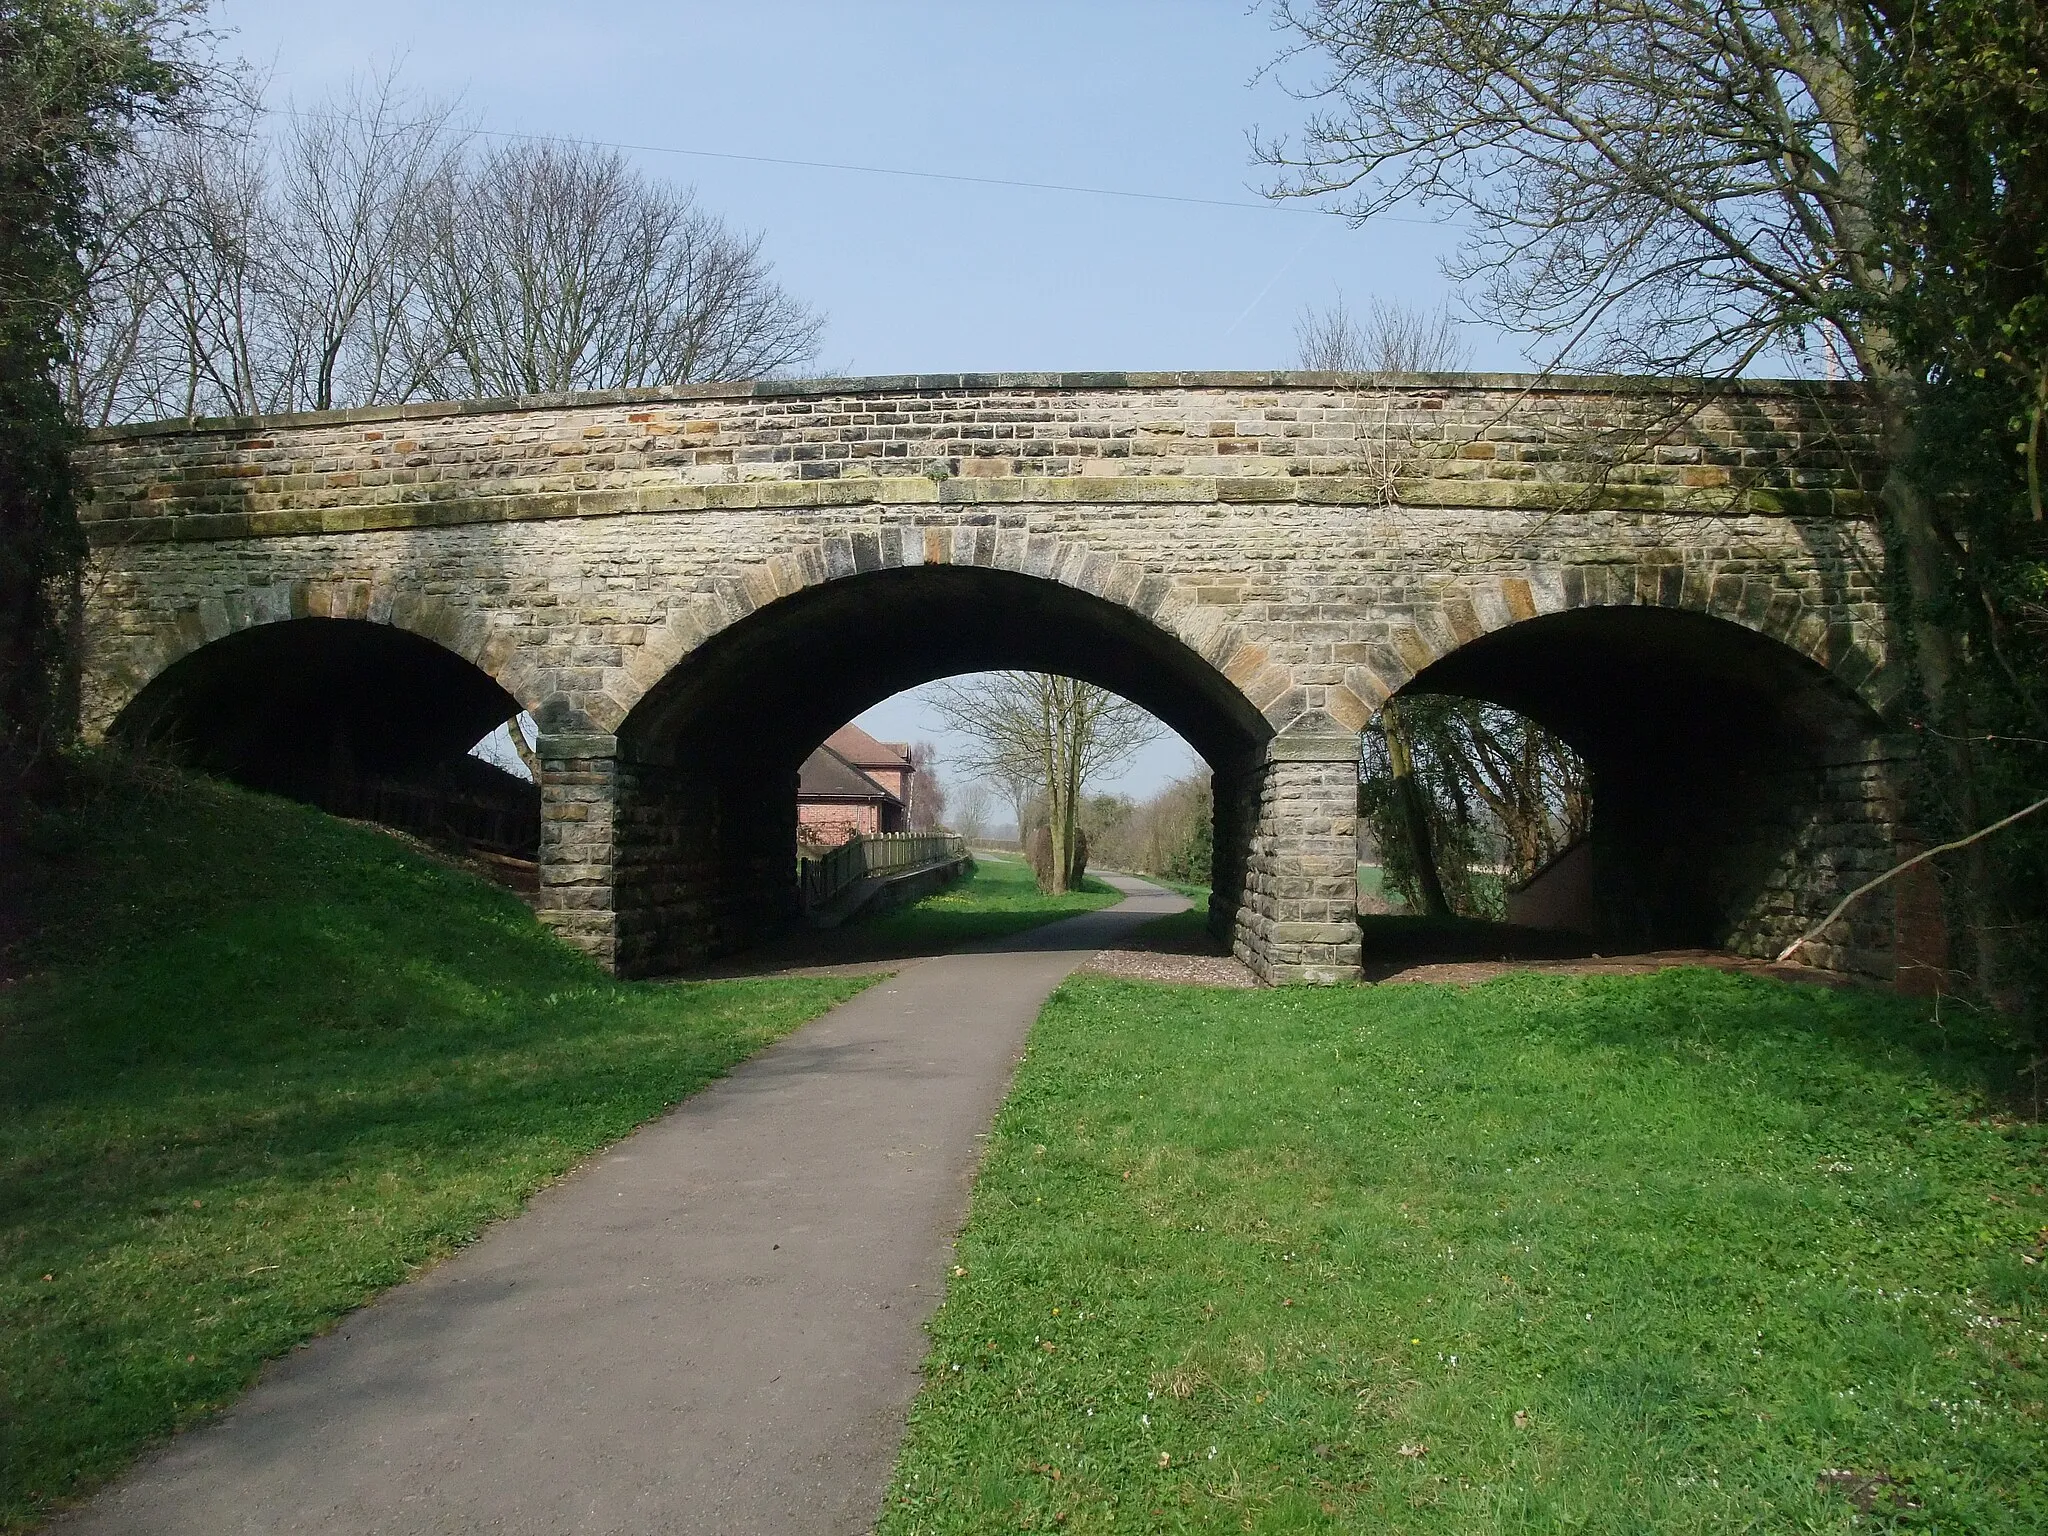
[1465,973]
[1181,969]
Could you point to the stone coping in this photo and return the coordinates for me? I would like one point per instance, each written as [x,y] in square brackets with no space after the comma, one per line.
[973,383]
[958,492]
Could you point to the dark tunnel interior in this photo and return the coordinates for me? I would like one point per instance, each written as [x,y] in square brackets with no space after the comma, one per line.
[1705,741]
[709,760]
[775,685]
[356,717]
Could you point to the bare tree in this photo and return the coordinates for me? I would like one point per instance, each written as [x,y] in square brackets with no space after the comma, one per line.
[114,359]
[1536,789]
[970,803]
[362,253]
[215,249]
[245,273]
[352,177]
[1387,338]
[1057,733]
[1679,187]
[1672,185]
[927,809]
[1020,791]
[165,324]
[1450,783]
[556,267]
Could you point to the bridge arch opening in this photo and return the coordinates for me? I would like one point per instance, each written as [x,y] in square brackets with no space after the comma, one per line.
[359,718]
[707,761]
[1736,786]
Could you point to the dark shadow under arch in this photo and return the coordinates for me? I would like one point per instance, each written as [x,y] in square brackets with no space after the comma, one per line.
[706,821]
[1733,778]
[802,666]
[357,717]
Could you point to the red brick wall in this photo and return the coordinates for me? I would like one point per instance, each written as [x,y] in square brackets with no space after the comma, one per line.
[834,823]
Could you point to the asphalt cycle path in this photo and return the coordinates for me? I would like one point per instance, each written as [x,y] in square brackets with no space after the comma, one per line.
[714,1326]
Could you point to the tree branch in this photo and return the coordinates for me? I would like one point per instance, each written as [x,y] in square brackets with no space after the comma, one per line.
[1899,869]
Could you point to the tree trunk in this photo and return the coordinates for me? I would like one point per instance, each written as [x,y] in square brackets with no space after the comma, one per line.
[1064,786]
[1414,815]
[1937,653]
[530,756]
[1077,748]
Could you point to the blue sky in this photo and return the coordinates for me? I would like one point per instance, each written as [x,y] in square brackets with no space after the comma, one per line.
[919,274]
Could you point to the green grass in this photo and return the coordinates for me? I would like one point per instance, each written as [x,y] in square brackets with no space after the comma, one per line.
[1372,882]
[264,1065]
[1590,1255]
[1000,898]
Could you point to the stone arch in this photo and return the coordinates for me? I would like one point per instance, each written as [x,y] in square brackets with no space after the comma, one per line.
[473,635]
[338,702]
[1737,740]
[704,752]
[1460,613]
[1165,604]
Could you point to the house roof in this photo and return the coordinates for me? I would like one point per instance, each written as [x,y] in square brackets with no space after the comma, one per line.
[827,775]
[863,751]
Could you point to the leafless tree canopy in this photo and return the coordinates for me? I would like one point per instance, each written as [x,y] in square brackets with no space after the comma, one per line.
[1670,185]
[927,789]
[969,809]
[556,267]
[1451,786]
[1054,733]
[367,252]
[246,273]
[1387,338]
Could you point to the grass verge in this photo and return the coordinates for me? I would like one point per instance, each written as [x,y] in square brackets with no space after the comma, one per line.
[262,1065]
[1603,1255]
[1000,898]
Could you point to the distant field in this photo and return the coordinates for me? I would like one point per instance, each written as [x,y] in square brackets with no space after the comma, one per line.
[1372,888]
[1000,898]
[1681,1253]
[264,1065]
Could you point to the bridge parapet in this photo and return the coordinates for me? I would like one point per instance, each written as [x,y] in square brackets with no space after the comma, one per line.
[1483,440]
[662,577]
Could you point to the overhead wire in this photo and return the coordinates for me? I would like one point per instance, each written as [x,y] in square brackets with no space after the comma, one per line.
[1012,183]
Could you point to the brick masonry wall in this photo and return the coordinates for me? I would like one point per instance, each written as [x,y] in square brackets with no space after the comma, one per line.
[1298,922]
[1822,835]
[833,822]
[578,844]
[704,867]
[1311,541]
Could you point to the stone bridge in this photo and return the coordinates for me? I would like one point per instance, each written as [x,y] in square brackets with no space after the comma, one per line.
[689,588]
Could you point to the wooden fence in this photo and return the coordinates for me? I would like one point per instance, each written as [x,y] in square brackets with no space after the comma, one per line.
[819,879]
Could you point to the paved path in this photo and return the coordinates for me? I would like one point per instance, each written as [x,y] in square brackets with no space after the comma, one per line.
[716,1326]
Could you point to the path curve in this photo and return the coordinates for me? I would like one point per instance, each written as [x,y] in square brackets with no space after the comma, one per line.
[714,1326]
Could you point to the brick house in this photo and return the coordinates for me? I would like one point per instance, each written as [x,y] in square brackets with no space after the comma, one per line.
[853,786]
[886,762]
